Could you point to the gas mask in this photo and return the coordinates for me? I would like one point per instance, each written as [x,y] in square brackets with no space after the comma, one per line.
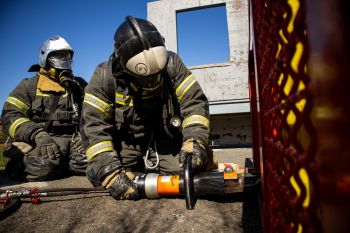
[66,78]
[61,67]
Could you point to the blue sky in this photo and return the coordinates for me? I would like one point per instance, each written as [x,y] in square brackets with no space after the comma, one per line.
[88,26]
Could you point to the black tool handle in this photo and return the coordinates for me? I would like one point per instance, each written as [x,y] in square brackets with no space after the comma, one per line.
[188,182]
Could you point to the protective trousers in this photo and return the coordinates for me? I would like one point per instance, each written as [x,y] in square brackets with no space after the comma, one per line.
[133,155]
[33,167]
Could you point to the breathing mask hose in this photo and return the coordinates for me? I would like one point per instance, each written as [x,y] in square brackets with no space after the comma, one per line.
[74,107]
[67,81]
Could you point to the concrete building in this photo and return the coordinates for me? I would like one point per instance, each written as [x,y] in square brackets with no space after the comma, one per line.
[225,84]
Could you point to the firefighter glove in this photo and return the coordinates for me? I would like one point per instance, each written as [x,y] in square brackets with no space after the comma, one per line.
[47,147]
[78,145]
[120,185]
[197,149]
[78,160]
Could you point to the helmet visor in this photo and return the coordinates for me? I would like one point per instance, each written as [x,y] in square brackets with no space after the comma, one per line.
[60,60]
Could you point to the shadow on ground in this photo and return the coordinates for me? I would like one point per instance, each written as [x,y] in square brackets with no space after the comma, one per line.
[100,213]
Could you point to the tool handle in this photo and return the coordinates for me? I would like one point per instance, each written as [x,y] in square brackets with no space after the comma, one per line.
[188,182]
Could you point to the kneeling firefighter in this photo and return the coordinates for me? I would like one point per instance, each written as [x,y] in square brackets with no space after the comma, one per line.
[143,112]
[42,116]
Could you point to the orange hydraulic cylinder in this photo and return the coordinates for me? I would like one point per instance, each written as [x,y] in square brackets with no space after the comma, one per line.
[168,185]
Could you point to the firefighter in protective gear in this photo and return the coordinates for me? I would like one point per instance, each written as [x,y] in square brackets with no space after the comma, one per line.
[42,116]
[143,111]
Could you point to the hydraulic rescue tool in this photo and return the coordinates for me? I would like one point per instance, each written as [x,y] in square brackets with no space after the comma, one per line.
[152,185]
[189,184]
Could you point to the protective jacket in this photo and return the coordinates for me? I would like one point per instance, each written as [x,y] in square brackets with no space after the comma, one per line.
[30,107]
[116,108]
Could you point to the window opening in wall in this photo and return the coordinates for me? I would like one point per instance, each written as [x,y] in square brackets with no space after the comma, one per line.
[202,36]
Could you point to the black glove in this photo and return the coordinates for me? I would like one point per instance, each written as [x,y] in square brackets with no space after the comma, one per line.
[46,145]
[106,169]
[121,186]
[198,151]
[78,160]
[78,145]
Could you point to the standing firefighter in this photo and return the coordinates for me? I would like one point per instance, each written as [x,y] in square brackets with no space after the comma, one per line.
[143,112]
[41,115]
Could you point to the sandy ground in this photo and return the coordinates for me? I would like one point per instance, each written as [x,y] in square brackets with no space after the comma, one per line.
[99,212]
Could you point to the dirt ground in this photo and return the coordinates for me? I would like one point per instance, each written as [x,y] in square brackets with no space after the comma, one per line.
[239,212]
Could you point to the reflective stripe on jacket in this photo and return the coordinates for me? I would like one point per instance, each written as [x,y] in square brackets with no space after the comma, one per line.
[28,109]
[105,111]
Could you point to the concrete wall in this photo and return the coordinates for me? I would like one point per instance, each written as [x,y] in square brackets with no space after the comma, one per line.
[225,84]
[231,130]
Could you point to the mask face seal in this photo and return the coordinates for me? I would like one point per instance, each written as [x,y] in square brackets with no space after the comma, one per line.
[60,60]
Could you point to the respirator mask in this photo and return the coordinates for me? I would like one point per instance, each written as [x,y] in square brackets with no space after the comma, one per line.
[61,63]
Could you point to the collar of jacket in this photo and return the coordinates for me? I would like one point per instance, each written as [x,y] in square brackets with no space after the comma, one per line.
[46,83]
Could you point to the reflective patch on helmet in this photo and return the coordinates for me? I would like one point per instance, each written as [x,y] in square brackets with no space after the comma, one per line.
[141,69]
[98,148]
[194,120]
[125,100]
[99,104]
[184,86]
[148,62]
[18,103]
[15,125]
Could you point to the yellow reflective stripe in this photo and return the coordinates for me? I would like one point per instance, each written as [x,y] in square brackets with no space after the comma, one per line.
[184,86]
[125,100]
[195,119]
[98,103]
[40,93]
[18,103]
[15,125]
[98,148]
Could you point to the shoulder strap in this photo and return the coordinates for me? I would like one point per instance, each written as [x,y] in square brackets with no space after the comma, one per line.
[170,66]
[31,87]
[109,81]
[56,99]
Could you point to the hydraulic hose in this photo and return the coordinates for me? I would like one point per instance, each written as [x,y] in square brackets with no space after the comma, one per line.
[150,185]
